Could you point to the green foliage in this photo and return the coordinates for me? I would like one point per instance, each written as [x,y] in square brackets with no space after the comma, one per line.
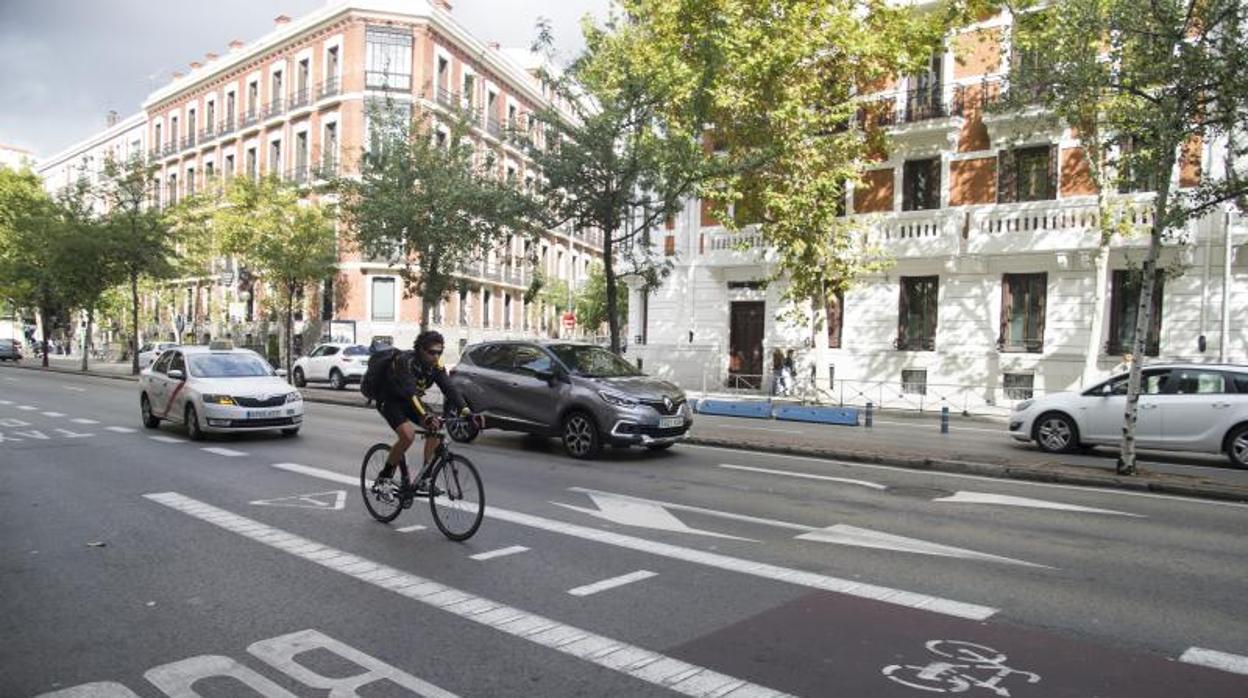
[591,300]
[429,201]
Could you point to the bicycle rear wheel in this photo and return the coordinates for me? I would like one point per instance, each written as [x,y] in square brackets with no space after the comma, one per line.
[460,505]
[382,500]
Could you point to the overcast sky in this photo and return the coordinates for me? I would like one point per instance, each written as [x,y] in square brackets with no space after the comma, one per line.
[68,62]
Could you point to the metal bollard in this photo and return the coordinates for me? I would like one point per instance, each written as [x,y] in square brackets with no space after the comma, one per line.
[870,405]
[944,419]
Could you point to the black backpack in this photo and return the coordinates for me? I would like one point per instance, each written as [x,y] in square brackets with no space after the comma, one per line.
[378,372]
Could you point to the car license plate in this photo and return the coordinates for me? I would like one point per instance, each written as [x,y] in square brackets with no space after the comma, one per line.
[671,422]
[263,414]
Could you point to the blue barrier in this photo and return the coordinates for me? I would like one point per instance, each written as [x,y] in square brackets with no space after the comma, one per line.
[735,408]
[824,415]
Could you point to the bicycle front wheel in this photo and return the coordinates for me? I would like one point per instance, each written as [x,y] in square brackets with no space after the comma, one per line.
[459,505]
[381,498]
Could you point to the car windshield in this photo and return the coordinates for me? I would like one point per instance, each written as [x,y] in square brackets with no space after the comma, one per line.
[357,350]
[593,362]
[228,366]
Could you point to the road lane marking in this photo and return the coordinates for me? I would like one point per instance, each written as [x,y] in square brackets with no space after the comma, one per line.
[842,534]
[27,408]
[700,510]
[501,552]
[963,497]
[612,583]
[6,402]
[808,476]
[53,414]
[409,529]
[1224,661]
[76,390]
[332,500]
[83,420]
[227,452]
[643,514]
[637,662]
[813,580]
[121,430]
[167,439]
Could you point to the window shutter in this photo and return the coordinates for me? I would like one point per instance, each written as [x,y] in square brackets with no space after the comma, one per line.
[933,180]
[1053,169]
[1007,305]
[903,313]
[1007,177]
[1042,295]
[932,312]
[1153,340]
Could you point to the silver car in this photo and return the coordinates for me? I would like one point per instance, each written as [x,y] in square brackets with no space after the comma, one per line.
[582,393]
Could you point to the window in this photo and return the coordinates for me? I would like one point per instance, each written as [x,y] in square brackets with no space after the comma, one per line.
[303,73]
[388,59]
[229,166]
[444,69]
[487,309]
[329,351]
[507,312]
[329,148]
[210,116]
[1152,382]
[834,316]
[191,124]
[209,170]
[1241,383]
[173,189]
[231,108]
[162,364]
[1018,386]
[190,180]
[1027,174]
[252,165]
[1022,312]
[463,308]
[1124,307]
[923,99]
[157,135]
[275,88]
[921,185]
[914,381]
[383,300]
[916,327]
[275,157]
[1195,382]
[1134,172]
[178,363]
[493,356]
[530,360]
[331,66]
[301,155]
[669,245]
[173,131]
[253,96]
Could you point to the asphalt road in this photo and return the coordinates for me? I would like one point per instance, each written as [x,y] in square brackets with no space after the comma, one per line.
[134,565]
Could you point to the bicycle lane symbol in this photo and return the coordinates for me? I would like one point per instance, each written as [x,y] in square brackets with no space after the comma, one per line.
[958,667]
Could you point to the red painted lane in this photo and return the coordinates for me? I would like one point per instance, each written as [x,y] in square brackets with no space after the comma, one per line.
[834,645]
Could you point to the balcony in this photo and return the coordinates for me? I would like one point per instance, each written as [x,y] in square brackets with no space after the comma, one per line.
[381,80]
[299,174]
[445,97]
[328,88]
[493,127]
[226,127]
[274,109]
[919,119]
[206,134]
[723,248]
[169,148]
[251,118]
[1014,111]
[299,99]
[912,234]
[1057,226]
[188,142]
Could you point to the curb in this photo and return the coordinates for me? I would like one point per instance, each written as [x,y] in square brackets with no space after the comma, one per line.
[1145,482]
[76,372]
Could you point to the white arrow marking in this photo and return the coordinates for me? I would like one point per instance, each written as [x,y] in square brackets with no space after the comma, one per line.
[33,434]
[807,476]
[631,512]
[334,499]
[841,534]
[1010,501]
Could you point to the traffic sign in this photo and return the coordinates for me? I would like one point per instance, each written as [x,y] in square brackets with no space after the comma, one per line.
[569,320]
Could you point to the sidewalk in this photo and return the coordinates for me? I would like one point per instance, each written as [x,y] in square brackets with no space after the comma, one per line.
[859,444]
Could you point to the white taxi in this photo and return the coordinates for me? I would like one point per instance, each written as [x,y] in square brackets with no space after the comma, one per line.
[217,388]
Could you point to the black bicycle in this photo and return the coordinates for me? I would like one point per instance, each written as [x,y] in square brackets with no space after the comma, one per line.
[456,496]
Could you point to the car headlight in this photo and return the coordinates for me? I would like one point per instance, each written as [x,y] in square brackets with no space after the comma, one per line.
[294,396]
[617,399]
[1023,405]
[219,400]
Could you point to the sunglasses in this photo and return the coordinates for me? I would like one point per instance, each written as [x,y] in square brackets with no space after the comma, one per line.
[430,352]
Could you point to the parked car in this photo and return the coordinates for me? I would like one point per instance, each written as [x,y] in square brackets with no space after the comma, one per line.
[148,352]
[217,389]
[1183,407]
[337,364]
[581,393]
[10,350]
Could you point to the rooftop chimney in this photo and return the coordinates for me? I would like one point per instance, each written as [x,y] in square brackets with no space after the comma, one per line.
[210,57]
[113,118]
[196,65]
[235,45]
[281,19]
[442,5]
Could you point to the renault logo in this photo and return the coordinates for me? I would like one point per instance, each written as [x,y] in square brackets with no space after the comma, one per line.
[667,403]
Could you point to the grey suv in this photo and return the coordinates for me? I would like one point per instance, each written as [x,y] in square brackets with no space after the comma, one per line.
[581,393]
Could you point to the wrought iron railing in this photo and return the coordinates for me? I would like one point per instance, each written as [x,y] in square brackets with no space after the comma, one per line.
[330,87]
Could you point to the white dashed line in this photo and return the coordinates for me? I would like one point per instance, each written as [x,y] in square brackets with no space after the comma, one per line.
[27,408]
[499,553]
[227,452]
[808,476]
[83,420]
[898,597]
[167,439]
[53,414]
[76,390]
[612,583]
[6,402]
[121,430]
[631,660]
[1224,661]
[409,529]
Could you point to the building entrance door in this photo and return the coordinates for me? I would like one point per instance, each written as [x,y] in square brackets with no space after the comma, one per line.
[745,345]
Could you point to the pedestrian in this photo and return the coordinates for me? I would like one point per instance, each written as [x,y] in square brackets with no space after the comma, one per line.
[777,371]
[789,372]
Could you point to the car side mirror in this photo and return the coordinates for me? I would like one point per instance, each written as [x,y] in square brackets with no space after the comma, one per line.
[177,375]
[547,376]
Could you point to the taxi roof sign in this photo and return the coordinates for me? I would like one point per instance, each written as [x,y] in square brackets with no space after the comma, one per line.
[221,345]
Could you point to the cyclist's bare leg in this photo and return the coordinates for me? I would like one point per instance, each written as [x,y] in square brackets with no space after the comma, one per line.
[431,445]
[406,433]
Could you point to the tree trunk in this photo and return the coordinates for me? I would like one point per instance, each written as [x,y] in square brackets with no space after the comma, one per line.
[86,338]
[290,329]
[1144,317]
[608,274]
[43,320]
[134,329]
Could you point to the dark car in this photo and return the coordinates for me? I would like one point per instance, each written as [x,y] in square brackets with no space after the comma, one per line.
[581,393]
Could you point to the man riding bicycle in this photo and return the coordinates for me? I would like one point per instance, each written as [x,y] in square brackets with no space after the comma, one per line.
[398,396]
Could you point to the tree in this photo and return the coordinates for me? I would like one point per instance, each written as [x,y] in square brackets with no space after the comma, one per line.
[429,200]
[1166,77]
[609,159]
[779,85]
[31,240]
[288,241]
[140,235]
[591,300]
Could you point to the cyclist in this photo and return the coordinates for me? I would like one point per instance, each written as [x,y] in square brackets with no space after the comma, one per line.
[399,395]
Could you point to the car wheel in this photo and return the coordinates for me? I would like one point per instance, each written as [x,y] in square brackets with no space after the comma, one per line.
[580,436]
[293,431]
[300,381]
[462,430]
[336,381]
[1237,446]
[661,447]
[1056,433]
[192,424]
[150,420]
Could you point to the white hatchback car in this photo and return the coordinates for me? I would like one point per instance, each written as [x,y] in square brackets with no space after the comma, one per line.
[217,389]
[337,364]
[1183,407]
[150,351]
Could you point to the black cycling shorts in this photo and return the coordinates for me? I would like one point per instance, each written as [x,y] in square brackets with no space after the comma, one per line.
[397,411]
